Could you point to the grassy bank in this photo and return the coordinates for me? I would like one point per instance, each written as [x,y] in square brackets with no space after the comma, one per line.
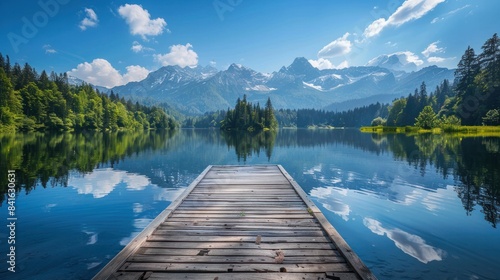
[457,130]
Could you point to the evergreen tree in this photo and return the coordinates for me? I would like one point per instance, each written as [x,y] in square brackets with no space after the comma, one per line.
[395,117]
[492,117]
[43,81]
[269,118]
[247,117]
[489,59]
[466,71]
[427,119]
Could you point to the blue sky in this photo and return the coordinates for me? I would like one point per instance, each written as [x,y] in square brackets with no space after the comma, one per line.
[111,43]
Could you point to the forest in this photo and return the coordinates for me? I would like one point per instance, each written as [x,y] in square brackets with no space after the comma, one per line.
[244,117]
[473,99]
[248,117]
[303,118]
[31,101]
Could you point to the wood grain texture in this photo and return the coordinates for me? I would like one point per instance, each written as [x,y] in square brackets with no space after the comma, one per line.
[239,222]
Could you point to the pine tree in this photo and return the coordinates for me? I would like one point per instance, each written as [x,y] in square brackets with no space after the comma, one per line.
[248,117]
[489,58]
[269,118]
[466,71]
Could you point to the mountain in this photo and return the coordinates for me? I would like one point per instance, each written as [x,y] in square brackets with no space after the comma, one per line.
[402,85]
[76,82]
[400,61]
[299,85]
[165,80]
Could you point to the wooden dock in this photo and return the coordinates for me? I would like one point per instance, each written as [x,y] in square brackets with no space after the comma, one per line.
[239,222]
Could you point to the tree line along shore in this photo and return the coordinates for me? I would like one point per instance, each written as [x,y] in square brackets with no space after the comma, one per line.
[31,101]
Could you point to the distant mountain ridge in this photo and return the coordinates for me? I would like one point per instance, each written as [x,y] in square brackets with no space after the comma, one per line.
[299,85]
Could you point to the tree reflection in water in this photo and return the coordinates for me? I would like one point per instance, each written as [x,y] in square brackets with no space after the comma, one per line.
[47,159]
[474,163]
[245,143]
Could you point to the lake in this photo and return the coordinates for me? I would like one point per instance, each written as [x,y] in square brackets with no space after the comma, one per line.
[412,207]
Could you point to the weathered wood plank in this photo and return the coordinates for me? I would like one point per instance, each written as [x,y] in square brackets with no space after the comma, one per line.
[238,208]
[245,220]
[242,227]
[241,238]
[239,252]
[242,187]
[222,267]
[238,245]
[256,205]
[251,276]
[249,211]
[128,275]
[250,181]
[231,197]
[241,215]
[200,232]
[233,259]
[243,199]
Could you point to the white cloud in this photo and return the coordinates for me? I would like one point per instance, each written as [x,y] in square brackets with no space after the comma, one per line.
[342,65]
[322,63]
[135,73]
[137,47]
[404,57]
[181,55]
[90,19]
[436,59]
[443,61]
[140,22]
[408,11]
[450,13]
[375,27]
[340,46]
[412,58]
[432,48]
[101,73]
[401,61]
[49,49]
[391,44]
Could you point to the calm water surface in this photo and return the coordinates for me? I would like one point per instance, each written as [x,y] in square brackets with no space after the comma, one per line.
[412,207]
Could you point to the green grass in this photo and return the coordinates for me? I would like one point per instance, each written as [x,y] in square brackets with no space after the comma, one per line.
[462,131]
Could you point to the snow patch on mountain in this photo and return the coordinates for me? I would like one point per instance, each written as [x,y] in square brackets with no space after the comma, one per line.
[313,86]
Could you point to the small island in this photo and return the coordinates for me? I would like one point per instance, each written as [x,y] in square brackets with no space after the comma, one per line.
[248,117]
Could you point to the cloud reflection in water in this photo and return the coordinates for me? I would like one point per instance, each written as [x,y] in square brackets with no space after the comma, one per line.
[410,244]
[326,196]
[101,182]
